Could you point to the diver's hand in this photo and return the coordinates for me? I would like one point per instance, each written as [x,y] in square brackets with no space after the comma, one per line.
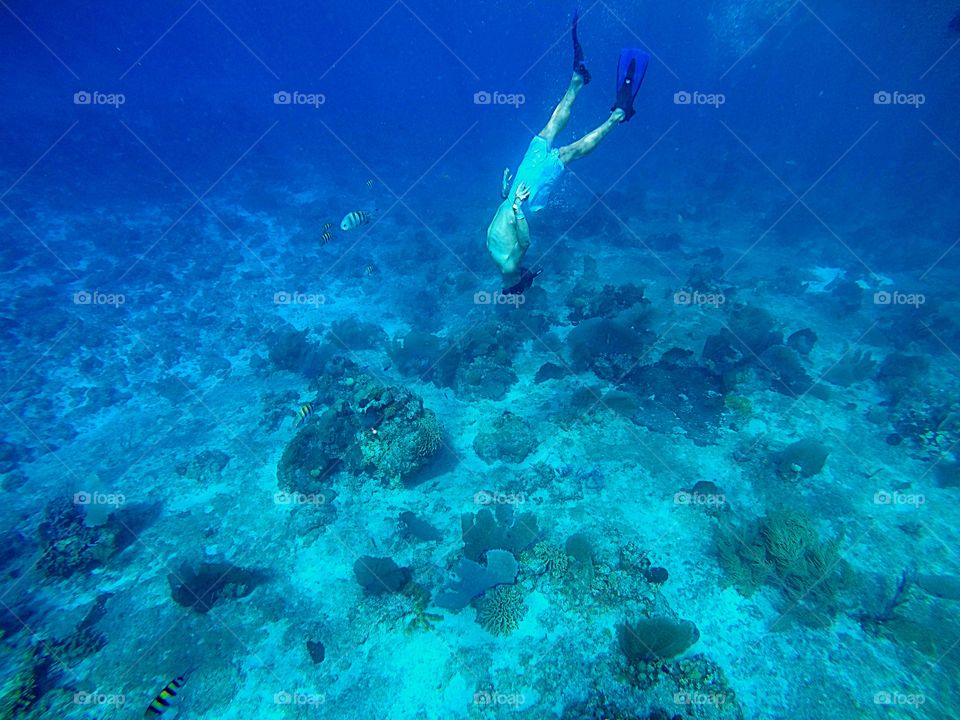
[505,184]
[522,194]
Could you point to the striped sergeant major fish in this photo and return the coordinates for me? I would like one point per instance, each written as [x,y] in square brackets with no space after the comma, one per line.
[355,219]
[305,411]
[162,702]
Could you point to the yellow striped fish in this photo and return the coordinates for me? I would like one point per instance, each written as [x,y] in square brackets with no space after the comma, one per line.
[355,219]
[305,411]
[371,269]
[326,237]
[369,183]
[327,226]
[163,701]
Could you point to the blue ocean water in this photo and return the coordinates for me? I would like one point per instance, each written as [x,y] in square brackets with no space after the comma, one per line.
[279,441]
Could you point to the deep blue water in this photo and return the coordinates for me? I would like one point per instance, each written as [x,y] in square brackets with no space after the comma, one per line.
[247,448]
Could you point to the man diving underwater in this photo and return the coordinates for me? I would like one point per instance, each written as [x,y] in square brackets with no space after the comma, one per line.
[508,236]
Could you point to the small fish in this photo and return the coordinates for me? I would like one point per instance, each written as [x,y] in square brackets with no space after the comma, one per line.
[370,269]
[355,219]
[369,183]
[326,237]
[305,411]
[162,702]
[327,226]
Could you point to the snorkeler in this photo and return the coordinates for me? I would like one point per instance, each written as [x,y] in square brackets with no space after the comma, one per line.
[508,236]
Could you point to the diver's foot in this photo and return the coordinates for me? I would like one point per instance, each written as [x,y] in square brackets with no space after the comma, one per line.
[618,115]
[579,67]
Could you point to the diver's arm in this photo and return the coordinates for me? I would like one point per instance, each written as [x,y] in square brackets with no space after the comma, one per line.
[523,228]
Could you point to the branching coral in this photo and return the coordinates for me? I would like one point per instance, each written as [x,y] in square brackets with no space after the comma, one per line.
[785,546]
[502,609]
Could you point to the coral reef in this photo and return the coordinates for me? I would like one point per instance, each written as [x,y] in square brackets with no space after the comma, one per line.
[611,348]
[369,427]
[289,349]
[418,528]
[501,610]
[352,334]
[547,559]
[655,639]
[505,531]
[671,395]
[900,374]
[802,341]
[202,586]
[853,367]
[380,575]
[26,686]
[205,467]
[784,548]
[587,301]
[474,579]
[68,545]
[509,439]
[803,459]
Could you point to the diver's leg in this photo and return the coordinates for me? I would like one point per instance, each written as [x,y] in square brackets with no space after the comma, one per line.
[589,142]
[561,114]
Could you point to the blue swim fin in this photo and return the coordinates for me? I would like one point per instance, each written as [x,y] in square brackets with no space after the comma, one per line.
[630,73]
[578,57]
